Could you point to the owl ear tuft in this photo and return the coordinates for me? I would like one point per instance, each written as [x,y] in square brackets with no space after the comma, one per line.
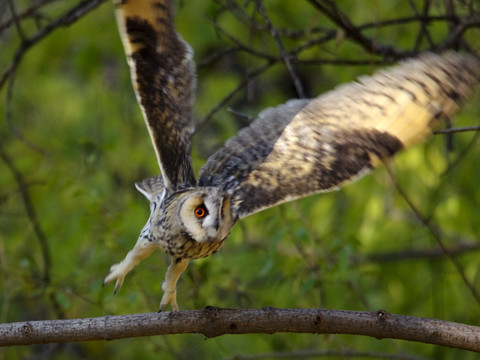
[151,186]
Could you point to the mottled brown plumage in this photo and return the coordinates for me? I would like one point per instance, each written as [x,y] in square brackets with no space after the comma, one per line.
[163,76]
[290,151]
[310,146]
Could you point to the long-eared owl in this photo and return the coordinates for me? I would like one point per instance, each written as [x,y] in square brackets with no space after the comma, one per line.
[303,147]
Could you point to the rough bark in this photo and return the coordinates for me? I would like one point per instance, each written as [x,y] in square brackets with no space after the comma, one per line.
[213,322]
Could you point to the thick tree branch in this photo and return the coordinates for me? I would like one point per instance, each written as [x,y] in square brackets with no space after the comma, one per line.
[213,322]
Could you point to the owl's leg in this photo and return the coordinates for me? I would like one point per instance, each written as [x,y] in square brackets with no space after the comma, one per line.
[142,249]
[169,286]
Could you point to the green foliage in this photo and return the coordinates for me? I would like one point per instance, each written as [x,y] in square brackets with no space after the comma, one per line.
[77,137]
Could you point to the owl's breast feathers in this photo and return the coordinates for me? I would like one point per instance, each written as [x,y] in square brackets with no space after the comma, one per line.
[185,247]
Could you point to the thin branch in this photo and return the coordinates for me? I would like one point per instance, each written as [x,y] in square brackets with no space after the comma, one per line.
[65,20]
[241,46]
[230,95]
[39,233]
[9,119]
[423,31]
[463,152]
[31,213]
[240,115]
[16,21]
[303,354]
[456,34]
[457,130]
[30,11]
[212,322]
[217,55]
[283,53]
[417,254]
[436,235]
[331,10]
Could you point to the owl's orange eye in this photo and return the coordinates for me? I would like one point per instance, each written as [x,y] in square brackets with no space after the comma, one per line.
[200,211]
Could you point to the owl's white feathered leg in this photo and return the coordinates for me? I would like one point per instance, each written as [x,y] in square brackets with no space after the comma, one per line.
[142,249]
[169,286]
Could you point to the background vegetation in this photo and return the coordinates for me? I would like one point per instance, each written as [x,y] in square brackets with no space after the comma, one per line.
[73,142]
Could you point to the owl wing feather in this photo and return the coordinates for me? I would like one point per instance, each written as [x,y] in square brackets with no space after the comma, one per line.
[163,76]
[310,146]
[151,186]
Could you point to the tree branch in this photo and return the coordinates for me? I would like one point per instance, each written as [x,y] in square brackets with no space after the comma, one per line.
[342,354]
[426,221]
[330,9]
[252,74]
[457,130]
[283,53]
[213,322]
[65,20]
[417,254]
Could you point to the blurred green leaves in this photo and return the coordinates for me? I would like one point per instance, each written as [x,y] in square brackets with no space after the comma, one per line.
[76,135]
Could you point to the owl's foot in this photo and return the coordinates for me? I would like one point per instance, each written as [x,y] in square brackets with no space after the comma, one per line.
[169,286]
[140,251]
[118,272]
[169,297]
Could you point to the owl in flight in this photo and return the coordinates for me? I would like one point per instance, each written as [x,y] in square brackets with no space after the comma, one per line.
[297,149]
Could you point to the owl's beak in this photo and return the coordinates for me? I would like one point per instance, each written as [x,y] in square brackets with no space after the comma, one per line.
[216,224]
[212,229]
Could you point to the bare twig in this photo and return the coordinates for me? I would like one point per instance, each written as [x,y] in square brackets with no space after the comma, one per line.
[64,20]
[464,151]
[423,31]
[29,12]
[230,95]
[40,234]
[418,254]
[9,117]
[457,130]
[30,210]
[456,34]
[436,235]
[16,20]
[343,354]
[283,53]
[330,9]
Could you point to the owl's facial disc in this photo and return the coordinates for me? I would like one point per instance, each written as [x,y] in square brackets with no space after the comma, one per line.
[206,216]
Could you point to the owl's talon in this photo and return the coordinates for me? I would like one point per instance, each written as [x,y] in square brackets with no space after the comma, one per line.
[117,272]
[118,284]
[177,266]
[169,297]
[141,250]
[116,288]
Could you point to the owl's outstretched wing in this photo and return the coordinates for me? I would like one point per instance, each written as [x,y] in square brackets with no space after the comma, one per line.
[310,146]
[163,76]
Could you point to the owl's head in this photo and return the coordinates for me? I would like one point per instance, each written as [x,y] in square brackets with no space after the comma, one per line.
[188,223]
[205,214]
